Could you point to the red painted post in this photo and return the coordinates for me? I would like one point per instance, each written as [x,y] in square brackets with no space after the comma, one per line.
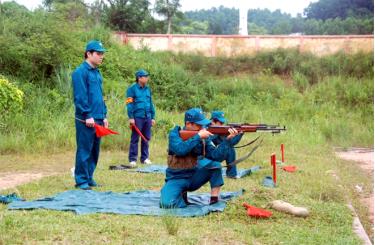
[273,163]
[282,153]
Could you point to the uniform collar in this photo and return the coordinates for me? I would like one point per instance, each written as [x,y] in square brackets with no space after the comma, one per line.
[88,66]
[139,86]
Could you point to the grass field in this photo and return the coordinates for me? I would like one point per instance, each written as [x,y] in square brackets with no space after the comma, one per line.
[324,103]
[330,221]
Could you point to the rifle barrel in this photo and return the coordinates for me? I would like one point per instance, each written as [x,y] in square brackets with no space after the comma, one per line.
[223,130]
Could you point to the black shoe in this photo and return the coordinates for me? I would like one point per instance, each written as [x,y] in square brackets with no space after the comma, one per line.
[214,200]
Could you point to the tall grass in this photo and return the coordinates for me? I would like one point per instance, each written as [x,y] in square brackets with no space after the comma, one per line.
[284,62]
[336,111]
[321,100]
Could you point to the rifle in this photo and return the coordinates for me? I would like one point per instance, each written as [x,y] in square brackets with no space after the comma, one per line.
[240,127]
[261,125]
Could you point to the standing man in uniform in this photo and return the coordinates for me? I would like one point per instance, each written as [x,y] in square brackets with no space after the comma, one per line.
[193,162]
[141,113]
[90,108]
[218,119]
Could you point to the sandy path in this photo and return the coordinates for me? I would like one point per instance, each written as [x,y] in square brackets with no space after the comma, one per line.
[10,180]
[365,159]
[20,169]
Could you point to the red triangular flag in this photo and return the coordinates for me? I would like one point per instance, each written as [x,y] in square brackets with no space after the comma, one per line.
[290,168]
[102,131]
[256,212]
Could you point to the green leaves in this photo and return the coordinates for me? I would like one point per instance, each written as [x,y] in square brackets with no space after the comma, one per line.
[11,98]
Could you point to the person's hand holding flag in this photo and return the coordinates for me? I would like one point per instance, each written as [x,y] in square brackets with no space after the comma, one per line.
[106,124]
[89,122]
[100,131]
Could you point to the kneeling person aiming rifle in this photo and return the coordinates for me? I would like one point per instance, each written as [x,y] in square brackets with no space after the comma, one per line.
[218,119]
[193,161]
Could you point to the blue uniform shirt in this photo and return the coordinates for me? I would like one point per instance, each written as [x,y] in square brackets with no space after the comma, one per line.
[139,102]
[179,147]
[88,93]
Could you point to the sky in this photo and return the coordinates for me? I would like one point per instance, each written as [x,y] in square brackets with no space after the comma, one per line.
[287,6]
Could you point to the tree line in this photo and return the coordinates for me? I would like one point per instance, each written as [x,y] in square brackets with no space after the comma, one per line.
[325,17]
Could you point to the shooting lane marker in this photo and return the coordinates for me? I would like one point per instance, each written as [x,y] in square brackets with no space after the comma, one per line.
[269,181]
[273,163]
[290,168]
[282,149]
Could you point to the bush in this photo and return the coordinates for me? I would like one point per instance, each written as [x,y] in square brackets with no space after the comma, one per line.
[285,62]
[11,98]
[300,81]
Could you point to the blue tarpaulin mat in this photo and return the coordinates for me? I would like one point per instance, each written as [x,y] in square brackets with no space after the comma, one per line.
[136,202]
[5,199]
[162,168]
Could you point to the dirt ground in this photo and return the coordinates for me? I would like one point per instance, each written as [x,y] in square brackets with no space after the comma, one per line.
[20,169]
[9,180]
[365,159]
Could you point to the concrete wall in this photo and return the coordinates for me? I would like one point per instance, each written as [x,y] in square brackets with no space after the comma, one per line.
[234,45]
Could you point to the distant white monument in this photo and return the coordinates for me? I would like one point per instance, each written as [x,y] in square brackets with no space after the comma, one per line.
[242,30]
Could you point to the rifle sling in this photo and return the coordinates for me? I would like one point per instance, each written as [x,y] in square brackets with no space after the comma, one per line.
[237,161]
[251,142]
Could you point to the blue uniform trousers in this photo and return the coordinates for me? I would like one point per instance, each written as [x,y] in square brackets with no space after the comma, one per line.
[171,193]
[231,156]
[87,155]
[144,125]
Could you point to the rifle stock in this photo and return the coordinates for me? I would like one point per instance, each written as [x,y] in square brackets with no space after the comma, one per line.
[242,128]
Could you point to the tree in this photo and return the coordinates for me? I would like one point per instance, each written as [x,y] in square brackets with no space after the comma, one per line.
[195,27]
[97,10]
[330,9]
[127,15]
[49,3]
[12,8]
[254,29]
[313,27]
[297,24]
[167,8]
[221,20]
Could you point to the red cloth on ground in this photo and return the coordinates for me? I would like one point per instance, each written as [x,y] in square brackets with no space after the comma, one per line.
[290,168]
[256,212]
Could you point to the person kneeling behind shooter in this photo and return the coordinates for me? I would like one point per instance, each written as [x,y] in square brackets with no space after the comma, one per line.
[193,162]
[218,119]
